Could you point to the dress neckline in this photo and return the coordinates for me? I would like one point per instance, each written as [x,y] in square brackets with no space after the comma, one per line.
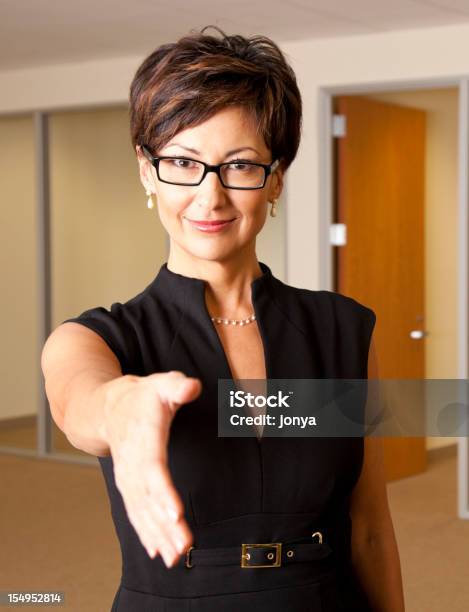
[187,295]
[186,292]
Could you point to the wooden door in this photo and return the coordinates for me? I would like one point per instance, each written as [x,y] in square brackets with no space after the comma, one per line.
[379,196]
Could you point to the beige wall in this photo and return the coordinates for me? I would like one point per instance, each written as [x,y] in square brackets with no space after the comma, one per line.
[18,250]
[106,244]
[441,204]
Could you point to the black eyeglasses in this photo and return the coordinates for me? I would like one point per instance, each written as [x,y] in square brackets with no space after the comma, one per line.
[237,174]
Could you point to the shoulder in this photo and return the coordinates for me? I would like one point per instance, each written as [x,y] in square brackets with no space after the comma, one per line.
[119,325]
[119,316]
[326,306]
[338,302]
[337,325]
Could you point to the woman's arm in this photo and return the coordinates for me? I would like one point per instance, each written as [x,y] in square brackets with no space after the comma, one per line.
[375,556]
[77,366]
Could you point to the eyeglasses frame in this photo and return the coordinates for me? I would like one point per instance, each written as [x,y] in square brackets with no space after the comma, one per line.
[155,161]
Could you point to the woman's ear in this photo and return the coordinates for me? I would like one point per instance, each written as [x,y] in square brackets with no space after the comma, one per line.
[145,169]
[276,185]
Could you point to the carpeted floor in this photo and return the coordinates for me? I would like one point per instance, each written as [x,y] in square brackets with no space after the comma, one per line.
[433,542]
[57,534]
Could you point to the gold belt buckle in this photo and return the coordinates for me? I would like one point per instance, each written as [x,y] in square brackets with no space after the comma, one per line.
[245,556]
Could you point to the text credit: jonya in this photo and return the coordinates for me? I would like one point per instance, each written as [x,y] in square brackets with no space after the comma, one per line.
[285,420]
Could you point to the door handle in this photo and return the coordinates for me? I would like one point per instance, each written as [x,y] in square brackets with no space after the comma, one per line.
[417,334]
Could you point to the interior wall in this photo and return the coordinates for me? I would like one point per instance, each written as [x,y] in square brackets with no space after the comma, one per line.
[106,245]
[441,229]
[18,253]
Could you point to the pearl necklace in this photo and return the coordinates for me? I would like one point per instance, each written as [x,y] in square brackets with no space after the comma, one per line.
[234,321]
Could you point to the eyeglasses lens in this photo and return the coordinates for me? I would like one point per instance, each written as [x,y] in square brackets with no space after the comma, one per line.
[235,174]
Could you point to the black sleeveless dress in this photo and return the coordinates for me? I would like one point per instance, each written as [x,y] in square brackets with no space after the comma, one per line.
[236,489]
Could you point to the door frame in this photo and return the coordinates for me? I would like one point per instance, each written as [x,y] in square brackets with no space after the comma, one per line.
[326,194]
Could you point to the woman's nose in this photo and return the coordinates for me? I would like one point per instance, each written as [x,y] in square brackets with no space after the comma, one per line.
[211,189]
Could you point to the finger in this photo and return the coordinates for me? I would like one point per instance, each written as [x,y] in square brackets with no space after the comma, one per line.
[159,484]
[176,527]
[145,535]
[132,505]
[175,388]
[150,532]
[179,533]
[160,537]
[159,525]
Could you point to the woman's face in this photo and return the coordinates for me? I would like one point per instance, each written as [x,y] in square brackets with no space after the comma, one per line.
[228,130]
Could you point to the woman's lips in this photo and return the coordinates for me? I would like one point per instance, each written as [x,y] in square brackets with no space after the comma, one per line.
[209,226]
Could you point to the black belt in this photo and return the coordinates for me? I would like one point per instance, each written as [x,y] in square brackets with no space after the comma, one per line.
[271,554]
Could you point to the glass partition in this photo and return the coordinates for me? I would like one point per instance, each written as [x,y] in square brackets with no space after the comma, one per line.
[18,249]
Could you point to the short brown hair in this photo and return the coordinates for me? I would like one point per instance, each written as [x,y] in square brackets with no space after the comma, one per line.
[184,83]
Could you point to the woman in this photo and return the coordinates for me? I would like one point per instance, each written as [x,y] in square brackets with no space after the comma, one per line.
[215,123]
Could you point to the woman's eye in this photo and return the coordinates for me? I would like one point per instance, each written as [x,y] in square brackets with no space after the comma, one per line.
[239,166]
[181,163]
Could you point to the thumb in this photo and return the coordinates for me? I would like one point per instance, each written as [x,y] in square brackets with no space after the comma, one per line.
[186,390]
[175,388]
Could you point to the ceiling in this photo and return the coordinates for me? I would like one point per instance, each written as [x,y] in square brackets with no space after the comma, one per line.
[38,32]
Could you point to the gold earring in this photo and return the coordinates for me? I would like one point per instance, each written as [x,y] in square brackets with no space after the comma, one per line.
[273,210]
[150,203]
